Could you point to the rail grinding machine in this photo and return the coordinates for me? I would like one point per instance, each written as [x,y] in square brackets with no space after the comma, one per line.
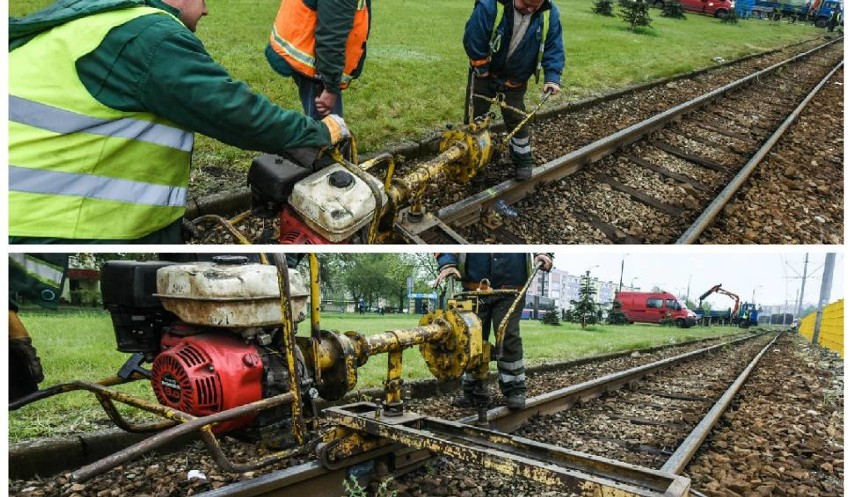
[224,355]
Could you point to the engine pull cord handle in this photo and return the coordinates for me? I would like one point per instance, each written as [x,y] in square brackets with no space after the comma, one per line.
[501,330]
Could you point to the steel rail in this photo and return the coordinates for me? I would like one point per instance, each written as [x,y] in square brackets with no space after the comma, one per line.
[468,211]
[313,478]
[505,420]
[709,215]
[681,457]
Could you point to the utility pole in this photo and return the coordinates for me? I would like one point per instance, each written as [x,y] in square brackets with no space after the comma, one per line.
[802,290]
[824,293]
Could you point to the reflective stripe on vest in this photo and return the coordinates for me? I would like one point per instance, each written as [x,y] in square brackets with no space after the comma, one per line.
[38,269]
[497,38]
[80,169]
[293,38]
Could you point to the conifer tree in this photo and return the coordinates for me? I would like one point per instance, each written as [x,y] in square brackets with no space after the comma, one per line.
[603,7]
[616,315]
[551,317]
[586,309]
[673,9]
[635,13]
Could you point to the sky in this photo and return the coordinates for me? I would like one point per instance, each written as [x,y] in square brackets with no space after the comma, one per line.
[772,275]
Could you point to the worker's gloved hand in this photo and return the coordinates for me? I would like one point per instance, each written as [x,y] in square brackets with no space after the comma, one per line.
[551,88]
[23,348]
[444,273]
[543,261]
[336,128]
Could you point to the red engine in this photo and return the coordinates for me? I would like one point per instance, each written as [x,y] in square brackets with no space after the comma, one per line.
[208,373]
[294,231]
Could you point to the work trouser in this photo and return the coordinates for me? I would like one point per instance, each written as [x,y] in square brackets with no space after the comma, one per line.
[309,90]
[520,147]
[510,367]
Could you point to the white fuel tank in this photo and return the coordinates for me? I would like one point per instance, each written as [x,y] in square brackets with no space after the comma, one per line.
[334,202]
[229,295]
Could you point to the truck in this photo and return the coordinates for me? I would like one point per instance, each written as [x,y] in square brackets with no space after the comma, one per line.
[748,315]
[769,9]
[655,307]
[817,11]
[822,10]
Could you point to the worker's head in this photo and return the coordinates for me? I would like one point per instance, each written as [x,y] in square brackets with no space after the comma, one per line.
[527,6]
[190,11]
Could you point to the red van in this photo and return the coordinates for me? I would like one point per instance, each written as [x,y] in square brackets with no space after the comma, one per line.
[653,307]
[715,8]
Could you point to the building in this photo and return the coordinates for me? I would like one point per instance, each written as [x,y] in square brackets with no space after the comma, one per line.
[561,288]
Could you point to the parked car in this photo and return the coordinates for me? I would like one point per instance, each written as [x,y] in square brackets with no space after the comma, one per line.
[715,8]
[654,307]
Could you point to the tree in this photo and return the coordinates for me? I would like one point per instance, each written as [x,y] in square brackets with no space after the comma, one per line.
[673,9]
[635,13]
[586,309]
[603,7]
[616,315]
[551,317]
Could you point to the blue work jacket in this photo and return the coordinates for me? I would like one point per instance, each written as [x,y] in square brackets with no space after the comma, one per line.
[517,70]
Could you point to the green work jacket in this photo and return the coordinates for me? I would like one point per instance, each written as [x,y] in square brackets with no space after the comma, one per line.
[104,97]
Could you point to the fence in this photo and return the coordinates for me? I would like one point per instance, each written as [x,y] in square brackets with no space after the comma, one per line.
[830,330]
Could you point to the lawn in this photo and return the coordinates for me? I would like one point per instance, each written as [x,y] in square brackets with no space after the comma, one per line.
[81,346]
[415,73]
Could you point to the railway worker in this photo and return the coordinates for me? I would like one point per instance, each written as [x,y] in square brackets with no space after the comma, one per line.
[322,46]
[38,278]
[104,99]
[500,271]
[508,42]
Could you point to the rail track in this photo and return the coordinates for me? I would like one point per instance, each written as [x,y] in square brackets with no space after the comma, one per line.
[629,408]
[655,164]
[662,180]
[667,410]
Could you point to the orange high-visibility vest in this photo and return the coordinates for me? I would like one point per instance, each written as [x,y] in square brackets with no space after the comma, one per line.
[293,38]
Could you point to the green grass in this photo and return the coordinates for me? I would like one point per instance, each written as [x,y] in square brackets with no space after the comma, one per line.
[415,73]
[81,346]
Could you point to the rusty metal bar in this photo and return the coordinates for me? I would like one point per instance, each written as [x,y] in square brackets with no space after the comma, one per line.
[681,457]
[467,211]
[395,340]
[709,215]
[288,331]
[579,473]
[189,424]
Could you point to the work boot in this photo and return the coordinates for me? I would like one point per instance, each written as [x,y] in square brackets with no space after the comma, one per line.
[523,173]
[472,397]
[516,401]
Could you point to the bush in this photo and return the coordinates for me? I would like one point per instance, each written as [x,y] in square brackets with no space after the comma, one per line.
[551,317]
[603,7]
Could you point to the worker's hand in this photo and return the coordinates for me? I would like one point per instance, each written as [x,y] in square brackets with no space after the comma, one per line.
[336,128]
[444,273]
[551,88]
[543,262]
[325,102]
[23,348]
